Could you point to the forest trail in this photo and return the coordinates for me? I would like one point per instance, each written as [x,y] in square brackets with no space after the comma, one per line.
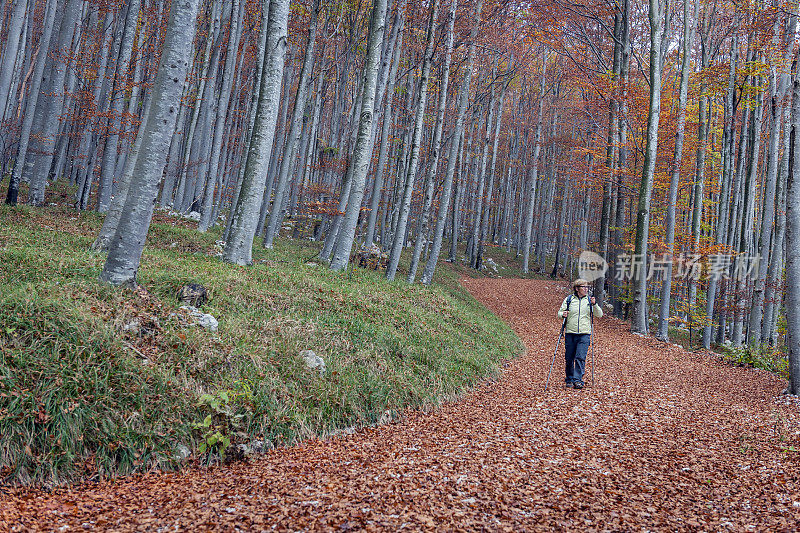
[663,440]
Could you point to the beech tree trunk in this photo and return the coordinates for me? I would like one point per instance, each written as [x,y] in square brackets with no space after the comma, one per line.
[36,170]
[433,164]
[677,158]
[126,246]
[221,111]
[422,100]
[779,86]
[117,102]
[10,52]
[458,132]
[639,323]
[362,152]
[245,214]
[293,135]
[395,44]
[793,243]
[30,110]
[534,172]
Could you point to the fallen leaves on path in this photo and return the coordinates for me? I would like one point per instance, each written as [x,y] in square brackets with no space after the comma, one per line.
[663,439]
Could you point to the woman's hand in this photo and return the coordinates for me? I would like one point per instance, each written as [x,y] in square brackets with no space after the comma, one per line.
[565,313]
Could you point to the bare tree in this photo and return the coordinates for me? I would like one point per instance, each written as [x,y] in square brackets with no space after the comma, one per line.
[639,324]
[362,151]
[246,211]
[125,249]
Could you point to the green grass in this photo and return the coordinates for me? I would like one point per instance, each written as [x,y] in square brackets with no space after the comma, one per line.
[81,395]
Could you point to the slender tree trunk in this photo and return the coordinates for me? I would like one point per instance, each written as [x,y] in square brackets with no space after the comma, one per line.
[534,172]
[562,219]
[488,204]
[245,214]
[99,88]
[400,232]
[472,251]
[724,198]
[30,110]
[745,231]
[639,324]
[456,194]
[37,167]
[117,101]
[793,243]
[677,158]
[9,59]
[608,186]
[388,114]
[779,86]
[433,164]
[293,135]
[126,247]
[362,152]
[221,112]
[458,132]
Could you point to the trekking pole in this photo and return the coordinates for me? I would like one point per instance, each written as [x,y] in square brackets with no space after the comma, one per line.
[553,362]
[591,335]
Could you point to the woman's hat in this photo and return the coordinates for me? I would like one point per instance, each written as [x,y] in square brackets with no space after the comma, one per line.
[579,281]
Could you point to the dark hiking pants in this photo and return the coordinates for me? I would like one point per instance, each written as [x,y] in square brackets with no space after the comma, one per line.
[577,346]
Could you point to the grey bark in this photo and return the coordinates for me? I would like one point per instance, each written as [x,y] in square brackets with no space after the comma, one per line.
[183,194]
[10,53]
[458,132]
[724,198]
[410,175]
[37,167]
[30,110]
[126,246]
[484,221]
[117,102]
[86,149]
[656,15]
[793,243]
[779,82]
[293,135]
[748,216]
[394,49]
[362,152]
[433,163]
[689,19]
[245,214]
[221,111]
[613,107]
[534,172]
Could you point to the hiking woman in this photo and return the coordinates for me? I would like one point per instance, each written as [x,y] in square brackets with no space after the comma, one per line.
[577,309]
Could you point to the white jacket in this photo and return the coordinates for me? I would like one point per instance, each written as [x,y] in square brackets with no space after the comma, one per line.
[579,319]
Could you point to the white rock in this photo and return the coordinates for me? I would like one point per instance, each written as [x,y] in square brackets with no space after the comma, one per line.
[313,361]
[204,320]
[133,325]
[194,215]
[208,322]
[181,452]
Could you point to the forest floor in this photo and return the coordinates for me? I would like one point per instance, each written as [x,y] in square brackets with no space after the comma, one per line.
[663,439]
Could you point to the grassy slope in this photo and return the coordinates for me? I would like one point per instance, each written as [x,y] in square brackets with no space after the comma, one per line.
[81,395]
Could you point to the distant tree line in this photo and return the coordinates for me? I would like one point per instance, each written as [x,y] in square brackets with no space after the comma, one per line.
[658,134]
